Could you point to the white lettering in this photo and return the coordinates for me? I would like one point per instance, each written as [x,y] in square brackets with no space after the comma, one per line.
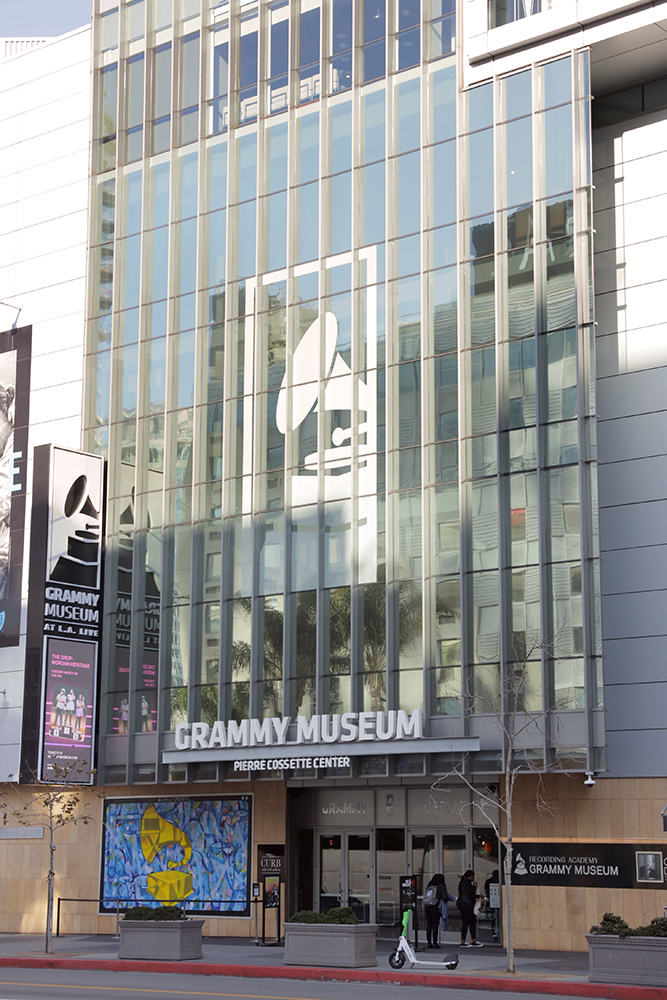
[280,727]
[388,731]
[260,733]
[182,736]
[366,725]
[330,734]
[349,728]
[217,737]
[411,728]
[200,731]
[308,732]
[237,733]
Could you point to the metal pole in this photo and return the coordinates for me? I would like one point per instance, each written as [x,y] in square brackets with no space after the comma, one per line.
[117,919]
[256,902]
[58,919]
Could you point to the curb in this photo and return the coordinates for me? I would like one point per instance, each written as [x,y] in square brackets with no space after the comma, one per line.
[472,982]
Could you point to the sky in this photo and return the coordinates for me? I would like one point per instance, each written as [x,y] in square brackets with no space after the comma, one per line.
[42,18]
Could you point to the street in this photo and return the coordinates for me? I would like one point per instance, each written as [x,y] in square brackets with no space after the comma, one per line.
[52,984]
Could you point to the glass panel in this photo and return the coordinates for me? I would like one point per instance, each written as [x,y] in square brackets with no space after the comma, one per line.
[486,620]
[516,94]
[162,81]
[562,374]
[448,623]
[358,875]
[443,157]
[524,519]
[564,509]
[390,861]
[521,388]
[518,142]
[484,510]
[424,860]
[558,149]
[480,173]
[330,872]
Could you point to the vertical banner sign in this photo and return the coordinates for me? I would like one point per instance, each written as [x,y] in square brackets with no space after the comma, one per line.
[15,347]
[65,578]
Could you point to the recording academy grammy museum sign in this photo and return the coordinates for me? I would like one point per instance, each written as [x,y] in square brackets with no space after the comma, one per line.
[64,608]
[610,866]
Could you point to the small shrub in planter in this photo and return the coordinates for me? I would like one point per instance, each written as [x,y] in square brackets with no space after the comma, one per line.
[619,953]
[336,915]
[154,913]
[159,932]
[335,939]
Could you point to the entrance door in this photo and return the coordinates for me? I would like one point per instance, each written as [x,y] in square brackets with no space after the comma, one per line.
[346,874]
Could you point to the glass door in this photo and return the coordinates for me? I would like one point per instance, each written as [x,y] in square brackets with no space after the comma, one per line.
[331,872]
[390,862]
[359,881]
[347,874]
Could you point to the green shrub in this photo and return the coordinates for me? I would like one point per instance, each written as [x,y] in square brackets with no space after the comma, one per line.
[337,915]
[657,928]
[611,924]
[154,913]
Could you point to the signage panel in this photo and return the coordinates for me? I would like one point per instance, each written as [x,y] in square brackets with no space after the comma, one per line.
[271,860]
[15,349]
[612,866]
[64,609]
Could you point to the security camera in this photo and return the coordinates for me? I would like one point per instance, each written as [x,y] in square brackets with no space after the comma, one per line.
[589,781]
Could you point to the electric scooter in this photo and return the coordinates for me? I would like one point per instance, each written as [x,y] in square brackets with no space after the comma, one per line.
[404,952]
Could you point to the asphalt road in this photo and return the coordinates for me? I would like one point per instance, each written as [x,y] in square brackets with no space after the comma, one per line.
[70,984]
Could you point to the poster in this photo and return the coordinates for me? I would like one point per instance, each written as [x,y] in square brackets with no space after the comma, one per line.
[70,684]
[64,611]
[15,347]
[166,851]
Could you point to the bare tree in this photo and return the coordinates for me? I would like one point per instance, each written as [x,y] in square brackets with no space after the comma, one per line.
[52,804]
[507,708]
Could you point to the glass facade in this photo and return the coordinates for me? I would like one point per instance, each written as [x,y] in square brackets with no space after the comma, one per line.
[339,361]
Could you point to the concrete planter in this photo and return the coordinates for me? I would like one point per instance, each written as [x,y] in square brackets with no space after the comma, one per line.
[336,946]
[160,940]
[637,961]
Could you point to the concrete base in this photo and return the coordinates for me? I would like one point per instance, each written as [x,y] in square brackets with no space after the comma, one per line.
[635,961]
[160,940]
[336,946]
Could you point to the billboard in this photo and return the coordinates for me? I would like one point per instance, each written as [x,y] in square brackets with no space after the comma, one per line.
[609,866]
[64,607]
[165,851]
[15,348]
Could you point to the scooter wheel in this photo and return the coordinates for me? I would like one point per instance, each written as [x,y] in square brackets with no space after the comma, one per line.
[450,961]
[397,959]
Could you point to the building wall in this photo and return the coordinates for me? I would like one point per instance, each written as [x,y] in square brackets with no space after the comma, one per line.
[613,811]
[24,863]
[44,151]
[631,283]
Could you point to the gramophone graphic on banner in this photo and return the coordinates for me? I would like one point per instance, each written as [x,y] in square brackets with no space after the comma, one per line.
[174,884]
[334,455]
[74,556]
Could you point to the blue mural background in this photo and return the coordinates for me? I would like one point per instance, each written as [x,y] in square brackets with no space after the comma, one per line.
[219,835]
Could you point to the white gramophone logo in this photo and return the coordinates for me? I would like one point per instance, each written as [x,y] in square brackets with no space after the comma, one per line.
[345,457]
[75,516]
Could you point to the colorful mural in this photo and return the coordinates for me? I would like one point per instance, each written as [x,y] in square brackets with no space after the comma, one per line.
[169,851]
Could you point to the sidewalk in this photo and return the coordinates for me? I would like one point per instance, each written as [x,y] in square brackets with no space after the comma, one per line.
[538,972]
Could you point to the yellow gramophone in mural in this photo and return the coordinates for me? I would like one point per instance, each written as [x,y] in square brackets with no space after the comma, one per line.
[156,833]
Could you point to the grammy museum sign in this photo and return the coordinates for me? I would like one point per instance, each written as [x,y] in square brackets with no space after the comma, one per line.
[350,733]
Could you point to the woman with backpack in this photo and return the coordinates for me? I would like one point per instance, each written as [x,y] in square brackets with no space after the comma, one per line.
[435,895]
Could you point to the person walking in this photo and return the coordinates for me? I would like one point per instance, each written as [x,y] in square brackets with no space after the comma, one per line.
[465,903]
[434,895]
